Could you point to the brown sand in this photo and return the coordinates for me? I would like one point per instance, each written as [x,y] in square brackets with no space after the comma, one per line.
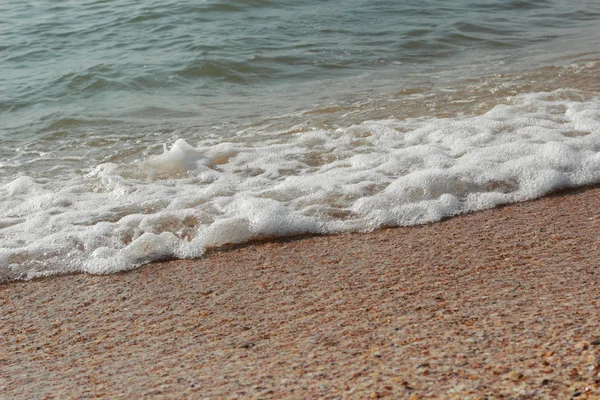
[502,303]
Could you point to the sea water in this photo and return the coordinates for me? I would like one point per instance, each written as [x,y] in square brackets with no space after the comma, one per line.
[138,131]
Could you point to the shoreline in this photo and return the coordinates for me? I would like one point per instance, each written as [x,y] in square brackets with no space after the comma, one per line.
[500,303]
[301,236]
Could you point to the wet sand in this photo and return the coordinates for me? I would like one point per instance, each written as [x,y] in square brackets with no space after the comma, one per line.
[503,303]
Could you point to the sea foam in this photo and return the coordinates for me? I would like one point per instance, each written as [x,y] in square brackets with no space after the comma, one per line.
[388,172]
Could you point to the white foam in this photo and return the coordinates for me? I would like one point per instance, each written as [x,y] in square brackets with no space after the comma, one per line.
[377,173]
[180,159]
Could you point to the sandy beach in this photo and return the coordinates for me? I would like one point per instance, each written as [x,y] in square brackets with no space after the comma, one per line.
[499,304]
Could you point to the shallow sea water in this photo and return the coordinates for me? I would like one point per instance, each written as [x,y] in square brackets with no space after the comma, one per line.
[133,132]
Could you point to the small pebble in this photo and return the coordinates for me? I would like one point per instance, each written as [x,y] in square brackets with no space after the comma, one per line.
[514,375]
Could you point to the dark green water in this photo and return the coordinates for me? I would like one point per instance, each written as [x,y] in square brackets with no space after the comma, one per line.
[92,62]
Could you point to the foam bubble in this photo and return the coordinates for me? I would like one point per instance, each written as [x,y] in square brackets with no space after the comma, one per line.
[176,161]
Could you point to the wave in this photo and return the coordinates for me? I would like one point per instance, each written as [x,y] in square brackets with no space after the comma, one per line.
[377,173]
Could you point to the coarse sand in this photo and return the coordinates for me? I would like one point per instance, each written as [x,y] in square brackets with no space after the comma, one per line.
[498,304]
